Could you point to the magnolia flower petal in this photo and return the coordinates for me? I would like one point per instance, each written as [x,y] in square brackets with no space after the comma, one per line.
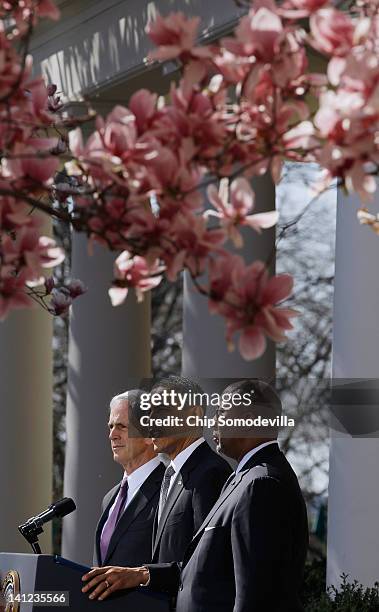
[262,220]
[118,295]
[252,343]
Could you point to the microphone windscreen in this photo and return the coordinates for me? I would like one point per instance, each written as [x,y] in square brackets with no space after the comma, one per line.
[63,506]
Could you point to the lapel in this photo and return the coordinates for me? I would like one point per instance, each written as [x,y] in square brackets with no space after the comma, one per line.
[194,460]
[148,489]
[256,459]
[223,497]
[175,491]
[107,504]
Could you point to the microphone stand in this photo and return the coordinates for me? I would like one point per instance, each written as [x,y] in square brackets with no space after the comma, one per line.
[34,526]
[31,530]
[36,548]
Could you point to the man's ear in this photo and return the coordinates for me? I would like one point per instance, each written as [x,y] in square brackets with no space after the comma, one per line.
[148,441]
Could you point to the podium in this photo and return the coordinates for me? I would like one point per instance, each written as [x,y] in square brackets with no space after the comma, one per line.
[40,577]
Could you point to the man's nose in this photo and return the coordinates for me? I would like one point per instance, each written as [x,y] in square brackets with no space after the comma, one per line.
[113,434]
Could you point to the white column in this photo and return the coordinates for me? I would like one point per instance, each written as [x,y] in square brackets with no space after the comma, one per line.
[205,354]
[353,536]
[109,352]
[25,424]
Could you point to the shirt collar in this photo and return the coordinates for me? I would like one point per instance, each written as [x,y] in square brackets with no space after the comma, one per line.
[185,454]
[138,477]
[252,452]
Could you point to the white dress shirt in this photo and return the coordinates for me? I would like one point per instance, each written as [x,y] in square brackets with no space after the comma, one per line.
[136,480]
[252,452]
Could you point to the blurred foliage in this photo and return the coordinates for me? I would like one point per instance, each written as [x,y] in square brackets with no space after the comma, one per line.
[349,597]
[314,584]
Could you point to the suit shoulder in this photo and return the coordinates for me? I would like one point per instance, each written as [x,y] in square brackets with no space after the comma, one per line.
[262,489]
[277,482]
[263,470]
[213,462]
[108,496]
[112,491]
[276,467]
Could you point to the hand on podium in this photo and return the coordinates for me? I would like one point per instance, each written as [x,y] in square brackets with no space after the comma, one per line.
[106,580]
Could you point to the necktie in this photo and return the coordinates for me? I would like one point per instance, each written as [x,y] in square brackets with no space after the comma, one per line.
[113,517]
[164,489]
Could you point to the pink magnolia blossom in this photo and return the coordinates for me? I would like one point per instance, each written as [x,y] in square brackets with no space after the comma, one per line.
[153,231]
[15,213]
[47,8]
[27,255]
[33,162]
[60,302]
[259,33]
[143,106]
[295,9]
[332,31]
[114,152]
[76,288]
[303,136]
[232,67]
[133,272]
[175,36]
[119,131]
[49,284]
[349,126]
[248,299]
[49,254]
[193,115]
[236,212]
[366,218]
[289,68]
[189,243]
[22,9]
[10,68]
[13,294]
[63,296]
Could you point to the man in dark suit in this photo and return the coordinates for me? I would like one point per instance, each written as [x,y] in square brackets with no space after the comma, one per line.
[123,534]
[193,479]
[249,553]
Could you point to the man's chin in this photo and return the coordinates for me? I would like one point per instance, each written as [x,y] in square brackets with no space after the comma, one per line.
[117,455]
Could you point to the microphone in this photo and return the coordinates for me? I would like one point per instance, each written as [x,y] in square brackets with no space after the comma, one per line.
[60,508]
[33,526]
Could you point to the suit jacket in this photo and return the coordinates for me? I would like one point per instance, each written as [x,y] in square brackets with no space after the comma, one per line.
[130,544]
[192,495]
[249,553]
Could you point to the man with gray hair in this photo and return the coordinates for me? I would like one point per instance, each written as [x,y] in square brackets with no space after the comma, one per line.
[124,532]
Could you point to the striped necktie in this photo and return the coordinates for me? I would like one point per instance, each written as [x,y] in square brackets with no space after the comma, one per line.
[164,489]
